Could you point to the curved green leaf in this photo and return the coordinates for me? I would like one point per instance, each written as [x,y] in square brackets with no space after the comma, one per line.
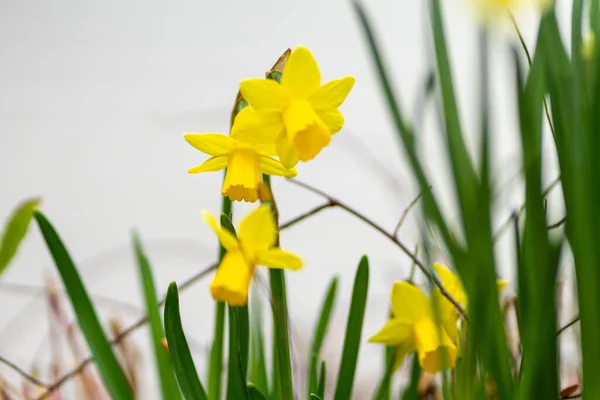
[319,335]
[168,384]
[254,393]
[343,390]
[185,370]
[107,364]
[15,230]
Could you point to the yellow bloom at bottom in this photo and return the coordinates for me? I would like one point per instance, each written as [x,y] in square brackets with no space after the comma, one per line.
[257,234]
[413,328]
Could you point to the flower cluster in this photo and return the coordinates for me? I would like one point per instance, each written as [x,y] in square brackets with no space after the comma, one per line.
[413,326]
[285,122]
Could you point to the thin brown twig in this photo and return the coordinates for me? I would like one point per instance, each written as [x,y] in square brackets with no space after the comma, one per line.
[391,237]
[406,211]
[568,325]
[24,374]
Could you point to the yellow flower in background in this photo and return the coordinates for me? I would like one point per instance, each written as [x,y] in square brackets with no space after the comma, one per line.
[299,114]
[448,313]
[413,328]
[244,162]
[490,10]
[257,234]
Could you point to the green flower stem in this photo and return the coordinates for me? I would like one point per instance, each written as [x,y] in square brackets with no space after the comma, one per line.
[216,352]
[280,315]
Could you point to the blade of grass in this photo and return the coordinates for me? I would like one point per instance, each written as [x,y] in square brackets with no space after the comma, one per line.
[345,381]
[168,384]
[254,393]
[322,380]
[107,364]
[258,364]
[383,390]
[185,370]
[412,391]
[319,335]
[237,388]
[15,230]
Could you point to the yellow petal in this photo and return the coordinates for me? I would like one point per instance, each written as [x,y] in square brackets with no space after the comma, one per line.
[451,283]
[215,163]
[436,350]
[243,175]
[264,94]
[333,119]
[270,166]
[213,144]
[447,312]
[409,303]
[266,149]
[301,75]
[393,333]
[232,279]
[257,231]
[287,155]
[253,127]
[332,94]
[227,240]
[305,131]
[501,284]
[277,258]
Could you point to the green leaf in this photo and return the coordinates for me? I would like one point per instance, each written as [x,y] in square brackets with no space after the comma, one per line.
[106,362]
[15,230]
[315,397]
[320,331]
[383,390]
[412,391]
[258,364]
[168,384]
[238,353]
[185,370]
[345,381]
[254,393]
[322,380]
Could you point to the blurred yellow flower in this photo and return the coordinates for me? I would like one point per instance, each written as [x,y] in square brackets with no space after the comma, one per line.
[490,10]
[257,234]
[299,114]
[413,328]
[244,162]
[449,315]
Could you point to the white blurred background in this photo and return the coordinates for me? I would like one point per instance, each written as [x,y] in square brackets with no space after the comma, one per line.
[95,97]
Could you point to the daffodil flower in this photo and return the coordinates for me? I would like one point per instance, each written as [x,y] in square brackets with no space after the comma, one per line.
[244,162]
[490,10]
[413,328]
[448,313]
[252,247]
[299,114]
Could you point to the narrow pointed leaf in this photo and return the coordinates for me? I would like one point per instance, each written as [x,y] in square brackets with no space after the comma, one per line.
[345,381]
[15,231]
[166,375]
[106,362]
[185,370]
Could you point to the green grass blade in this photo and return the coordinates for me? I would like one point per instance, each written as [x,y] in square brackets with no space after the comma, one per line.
[345,381]
[15,230]
[166,375]
[185,370]
[215,367]
[258,364]
[314,396]
[322,380]
[254,393]
[238,353]
[320,331]
[282,335]
[106,362]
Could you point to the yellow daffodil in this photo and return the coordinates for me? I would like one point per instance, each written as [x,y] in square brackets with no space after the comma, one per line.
[253,246]
[244,162]
[490,10]
[413,328]
[299,114]
[448,313]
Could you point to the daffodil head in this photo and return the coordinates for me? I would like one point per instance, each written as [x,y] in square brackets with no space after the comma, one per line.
[299,114]
[412,328]
[257,234]
[244,161]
